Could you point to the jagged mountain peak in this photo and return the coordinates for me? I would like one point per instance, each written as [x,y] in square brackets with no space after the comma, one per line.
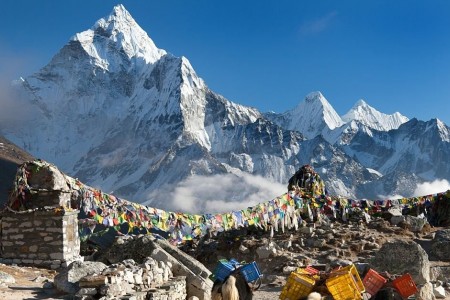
[315,96]
[443,130]
[369,116]
[118,30]
[120,10]
[361,103]
[313,115]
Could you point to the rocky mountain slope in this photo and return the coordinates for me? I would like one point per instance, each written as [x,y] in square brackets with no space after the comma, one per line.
[11,157]
[125,116]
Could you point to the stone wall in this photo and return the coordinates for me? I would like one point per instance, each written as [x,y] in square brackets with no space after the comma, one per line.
[40,238]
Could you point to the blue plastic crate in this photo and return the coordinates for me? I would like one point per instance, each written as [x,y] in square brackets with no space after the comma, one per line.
[251,272]
[224,268]
[234,262]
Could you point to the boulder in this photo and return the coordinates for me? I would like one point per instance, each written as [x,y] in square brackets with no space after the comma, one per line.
[125,248]
[416,224]
[265,251]
[440,247]
[193,264]
[395,220]
[399,257]
[67,280]
[394,211]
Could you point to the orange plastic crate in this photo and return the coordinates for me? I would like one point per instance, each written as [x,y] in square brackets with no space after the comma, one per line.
[311,270]
[405,285]
[343,287]
[373,282]
[351,270]
[297,286]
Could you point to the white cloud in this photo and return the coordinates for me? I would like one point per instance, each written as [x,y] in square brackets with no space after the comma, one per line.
[318,25]
[392,197]
[220,193]
[432,187]
[14,110]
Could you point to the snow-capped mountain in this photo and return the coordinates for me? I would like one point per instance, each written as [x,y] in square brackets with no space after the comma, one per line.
[311,117]
[372,118]
[122,115]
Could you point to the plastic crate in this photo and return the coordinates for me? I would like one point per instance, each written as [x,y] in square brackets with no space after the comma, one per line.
[251,272]
[405,285]
[351,270]
[373,282]
[223,269]
[297,286]
[343,287]
[234,262]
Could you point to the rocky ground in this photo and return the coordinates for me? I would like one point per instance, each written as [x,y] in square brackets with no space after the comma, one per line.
[328,245]
[27,283]
[322,244]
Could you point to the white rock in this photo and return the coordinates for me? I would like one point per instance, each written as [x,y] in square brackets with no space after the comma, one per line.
[128,276]
[439,291]
[137,279]
[243,249]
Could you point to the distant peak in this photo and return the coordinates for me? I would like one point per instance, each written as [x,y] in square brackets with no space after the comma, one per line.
[314,95]
[369,116]
[119,9]
[361,102]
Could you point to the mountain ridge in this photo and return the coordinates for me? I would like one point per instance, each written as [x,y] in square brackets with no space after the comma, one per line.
[142,124]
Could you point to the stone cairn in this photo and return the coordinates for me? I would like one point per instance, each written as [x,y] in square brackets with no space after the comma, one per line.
[38,227]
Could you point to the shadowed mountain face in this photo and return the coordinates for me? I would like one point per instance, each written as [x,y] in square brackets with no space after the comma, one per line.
[11,157]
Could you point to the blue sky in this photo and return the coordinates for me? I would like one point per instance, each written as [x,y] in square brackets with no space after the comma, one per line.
[268,54]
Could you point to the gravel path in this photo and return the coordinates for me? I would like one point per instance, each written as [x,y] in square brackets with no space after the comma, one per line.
[267,292]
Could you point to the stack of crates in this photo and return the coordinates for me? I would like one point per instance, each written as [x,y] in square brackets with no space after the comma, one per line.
[373,282]
[345,284]
[224,268]
[405,285]
[297,286]
[250,272]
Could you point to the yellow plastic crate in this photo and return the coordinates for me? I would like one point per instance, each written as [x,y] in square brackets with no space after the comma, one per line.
[351,270]
[297,286]
[343,287]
